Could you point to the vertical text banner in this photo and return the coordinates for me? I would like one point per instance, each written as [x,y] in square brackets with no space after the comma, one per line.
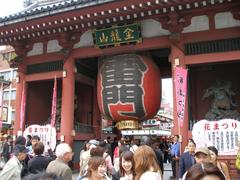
[181,91]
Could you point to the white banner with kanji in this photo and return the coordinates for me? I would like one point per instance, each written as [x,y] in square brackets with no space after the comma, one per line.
[224,134]
[46,133]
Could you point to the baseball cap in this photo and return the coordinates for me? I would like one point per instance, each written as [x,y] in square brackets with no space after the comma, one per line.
[94,142]
[20,149]
[203,150]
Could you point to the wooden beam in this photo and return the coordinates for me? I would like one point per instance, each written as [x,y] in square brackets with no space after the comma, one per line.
[213,58]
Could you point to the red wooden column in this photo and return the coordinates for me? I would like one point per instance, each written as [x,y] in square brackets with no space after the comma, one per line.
[178,60]
[68,89]
[19,87]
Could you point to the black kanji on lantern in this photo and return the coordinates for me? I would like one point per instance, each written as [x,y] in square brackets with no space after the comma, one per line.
[122,83]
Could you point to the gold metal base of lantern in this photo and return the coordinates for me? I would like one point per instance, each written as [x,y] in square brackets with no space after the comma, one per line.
[127,124]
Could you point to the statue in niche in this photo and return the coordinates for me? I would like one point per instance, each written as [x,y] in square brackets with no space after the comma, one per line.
[222,106]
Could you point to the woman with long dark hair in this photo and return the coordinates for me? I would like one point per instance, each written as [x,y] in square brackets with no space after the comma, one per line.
[126,170]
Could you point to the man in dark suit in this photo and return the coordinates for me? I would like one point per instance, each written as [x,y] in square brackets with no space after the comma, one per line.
[7,148]
[187,159]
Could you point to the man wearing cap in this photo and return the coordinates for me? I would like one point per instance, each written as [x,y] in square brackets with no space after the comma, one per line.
[12,169]
[202,154]
[86,156]
[60,165]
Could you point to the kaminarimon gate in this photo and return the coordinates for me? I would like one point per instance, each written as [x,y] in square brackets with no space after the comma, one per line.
[70,40]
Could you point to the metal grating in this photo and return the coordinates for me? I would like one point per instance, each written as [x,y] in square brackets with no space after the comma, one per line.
[45,67]
[204,47]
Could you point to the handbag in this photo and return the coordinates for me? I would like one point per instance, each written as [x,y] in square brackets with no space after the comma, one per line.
[237,163]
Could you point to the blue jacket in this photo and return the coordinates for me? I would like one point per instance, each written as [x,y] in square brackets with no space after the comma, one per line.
[185,162]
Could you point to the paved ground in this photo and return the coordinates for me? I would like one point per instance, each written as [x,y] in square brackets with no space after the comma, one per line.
[166,176]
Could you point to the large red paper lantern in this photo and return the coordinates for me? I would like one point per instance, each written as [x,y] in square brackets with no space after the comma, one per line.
[129,88]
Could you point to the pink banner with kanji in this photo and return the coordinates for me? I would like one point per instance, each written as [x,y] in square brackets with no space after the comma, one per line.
[54,103]
[23,106]
[181,91]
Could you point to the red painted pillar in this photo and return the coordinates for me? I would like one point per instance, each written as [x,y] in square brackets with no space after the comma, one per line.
[19,87]
[177,56]
[67,111]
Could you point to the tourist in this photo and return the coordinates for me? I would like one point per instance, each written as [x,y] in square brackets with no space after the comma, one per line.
[7,148]
[187,160]
[29,139]
[146,166]
[97,169]
[221,165]
[175,154]
[126,171]
[59,166]
[202,154]
[13,168]
[34,140]
[107,157]
[85,156]
[39,162]
[204,171]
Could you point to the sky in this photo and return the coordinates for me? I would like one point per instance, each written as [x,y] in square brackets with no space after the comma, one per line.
[8,7]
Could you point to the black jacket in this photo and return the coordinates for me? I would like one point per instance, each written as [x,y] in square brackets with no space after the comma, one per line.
[38,163]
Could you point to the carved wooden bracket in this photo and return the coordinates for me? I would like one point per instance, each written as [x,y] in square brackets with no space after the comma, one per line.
[175,23]
[21,48]
[67,40]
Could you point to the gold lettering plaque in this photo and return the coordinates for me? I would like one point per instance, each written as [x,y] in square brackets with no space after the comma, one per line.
[127,124]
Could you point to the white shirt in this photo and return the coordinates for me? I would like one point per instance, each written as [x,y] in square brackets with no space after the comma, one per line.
[151,175]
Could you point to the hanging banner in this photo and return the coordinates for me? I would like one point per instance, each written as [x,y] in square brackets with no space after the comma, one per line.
[54,103]
[23,105]
[224,134]
[46,133]
[181,91]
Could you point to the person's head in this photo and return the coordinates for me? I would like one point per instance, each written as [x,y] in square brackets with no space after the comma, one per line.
[64,152]
[9,139]
[126,162]
[104,145]
[204,171]
[120,142]
[38,148]
[35,139]
[202,154]
[97,151]
[20,140]
[191,146]
[175,138]
[213,154]
[42,176]
[20,151]
[96,167]
[29,137]
[145,159]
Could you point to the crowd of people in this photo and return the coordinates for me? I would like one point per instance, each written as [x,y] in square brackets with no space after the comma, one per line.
[197,163]
[104,160]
